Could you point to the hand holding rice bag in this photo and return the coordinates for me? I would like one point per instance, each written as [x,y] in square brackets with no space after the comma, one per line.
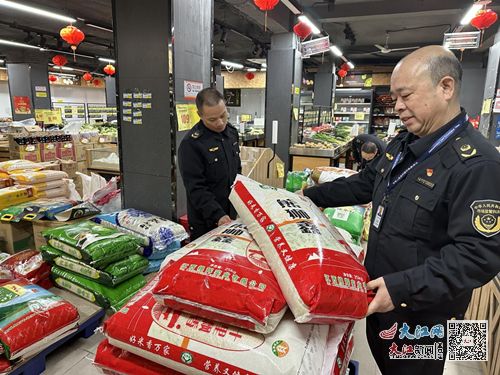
[320,276]
[226,262]
[92,243]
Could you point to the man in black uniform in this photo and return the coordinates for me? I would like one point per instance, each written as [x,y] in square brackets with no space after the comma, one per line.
[366,147]
[436,216]
[209,159]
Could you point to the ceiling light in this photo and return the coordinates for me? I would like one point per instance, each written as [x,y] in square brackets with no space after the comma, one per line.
[37,11]
[67,53]
[251,70]
[103,59]
[263,70]
[264,65]
[63,74]
[350,65]
[336,50]
[66,68]
[2,61]
[290,6]
[308,22]
[232,64]
[471,13]
[99,27]
[16,44]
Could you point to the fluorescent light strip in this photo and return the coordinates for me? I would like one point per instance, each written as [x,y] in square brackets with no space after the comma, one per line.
[470,14]
[290,6]
[264,65]
[336,51]
[66,68]
[37,11]
[2,61]
[308,22]
[16,44]
[251,70]
[232,64]
[64,74]
[99,27]
[107,60]
[69,53]
[350,65]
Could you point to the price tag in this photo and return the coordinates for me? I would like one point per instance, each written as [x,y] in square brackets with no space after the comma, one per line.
[359,116]
[280,168]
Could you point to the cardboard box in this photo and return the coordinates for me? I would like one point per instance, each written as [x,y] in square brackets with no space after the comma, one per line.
[70,167]
[15,237]
[48,151]
[66,151]
[27,152]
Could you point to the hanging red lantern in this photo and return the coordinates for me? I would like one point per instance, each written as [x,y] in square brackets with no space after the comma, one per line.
[345,67]
[249,76]
[59,60]
[109,69]
[484,19]
[52,78]
[265,5]
[73,36]
[87,77]
[342,73]
[302,30]
[96,82]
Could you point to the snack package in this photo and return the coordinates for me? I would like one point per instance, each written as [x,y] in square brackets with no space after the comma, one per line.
[112,275]
[13,166]
[92,243]
[320,276]
[30,317]
[350,219]
[320,175]
[193,345]
[94,292]
[13,195]
[226,261]
[28,178]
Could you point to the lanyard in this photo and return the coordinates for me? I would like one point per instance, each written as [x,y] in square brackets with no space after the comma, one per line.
[438,143]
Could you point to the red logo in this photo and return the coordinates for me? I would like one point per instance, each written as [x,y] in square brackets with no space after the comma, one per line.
[388,334]
[430,172]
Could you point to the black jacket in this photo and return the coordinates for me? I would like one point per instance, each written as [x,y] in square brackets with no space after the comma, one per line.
[208,162]
[360,140]
[439,238]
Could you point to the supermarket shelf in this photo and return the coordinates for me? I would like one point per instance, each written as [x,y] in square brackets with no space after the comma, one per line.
[349,113]
[352,122]
[353,104]
[320,152]
[385,115]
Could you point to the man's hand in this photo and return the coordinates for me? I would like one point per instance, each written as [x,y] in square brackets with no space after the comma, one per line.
[224,220]
[382,301]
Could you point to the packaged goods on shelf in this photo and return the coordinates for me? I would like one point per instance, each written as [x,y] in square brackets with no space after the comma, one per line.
[111,275]
[320,175]
[35,210]
[92,243]
[225,261]
[13,195]
[24,307]
[290,229]
[104,296]
[199,346]
[13,166]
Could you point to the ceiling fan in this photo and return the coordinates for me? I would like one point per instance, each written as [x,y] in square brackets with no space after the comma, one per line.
[385,49]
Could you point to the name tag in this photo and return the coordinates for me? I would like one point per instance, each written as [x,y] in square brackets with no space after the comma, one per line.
[213,149]
[379,217]
[424,182]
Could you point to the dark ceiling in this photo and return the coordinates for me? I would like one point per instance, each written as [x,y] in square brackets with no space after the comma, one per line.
[239,35]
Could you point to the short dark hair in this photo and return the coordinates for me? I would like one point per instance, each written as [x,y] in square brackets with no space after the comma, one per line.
[445,65]
[209,97]
[369,148]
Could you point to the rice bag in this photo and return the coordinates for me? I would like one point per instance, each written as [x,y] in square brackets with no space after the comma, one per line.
[119,361]
[112,275]
[27,264]
[161,231]
[12,166]
[320,175]
[92,243]
[31,316]
[350,219]
[60,192]
[49,185]
[94,292]
[161,254]
[13,195]
[153,266]
[6,182]
[77,212]
[226,262]
[30,177]
[320,276]
[41,208]
[193,345]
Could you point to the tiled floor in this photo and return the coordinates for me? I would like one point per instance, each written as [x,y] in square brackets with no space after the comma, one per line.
[362,354]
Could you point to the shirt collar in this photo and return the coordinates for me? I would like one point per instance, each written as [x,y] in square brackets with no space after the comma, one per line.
[222,133]
[420,145]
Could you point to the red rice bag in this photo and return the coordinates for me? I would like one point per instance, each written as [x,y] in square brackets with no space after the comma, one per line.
[224,262]
[319,274]
[26,264]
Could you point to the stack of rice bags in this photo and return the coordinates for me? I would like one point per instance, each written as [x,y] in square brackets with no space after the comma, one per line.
[217,307]
[12,195]
[100,264]
[161,237]
[47,184]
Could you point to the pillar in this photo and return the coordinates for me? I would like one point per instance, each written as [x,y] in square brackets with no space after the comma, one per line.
[324,85]
[110,91]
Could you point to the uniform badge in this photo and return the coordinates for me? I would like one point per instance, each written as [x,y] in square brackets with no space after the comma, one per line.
[195,135]
[467,151]
[486,217]
[389,156]
[430,172]
[213,149]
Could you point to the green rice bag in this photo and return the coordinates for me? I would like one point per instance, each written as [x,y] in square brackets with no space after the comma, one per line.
[92,243]
[111,276]
[99,294]
[347,218]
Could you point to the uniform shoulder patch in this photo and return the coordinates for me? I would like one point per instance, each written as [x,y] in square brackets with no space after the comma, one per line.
[486,217]
[465,148]
[195,135]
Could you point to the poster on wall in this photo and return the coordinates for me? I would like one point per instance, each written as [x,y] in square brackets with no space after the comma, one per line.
[232,97]
[191,89]
[22,105]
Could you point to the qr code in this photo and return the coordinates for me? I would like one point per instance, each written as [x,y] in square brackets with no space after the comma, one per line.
[467,340]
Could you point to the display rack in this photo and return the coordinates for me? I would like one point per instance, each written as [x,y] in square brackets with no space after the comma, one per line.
[97,111]
[384,114]
[71,111]
[353,106]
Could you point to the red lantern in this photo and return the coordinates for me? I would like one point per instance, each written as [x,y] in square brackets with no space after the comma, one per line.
[96,82]
[72,35]
[249,76]
[52,78]
[342,73]
[59,60]
[345,67]
[484,19]
[302,30]
[109,69]
[87,77]
[265,5]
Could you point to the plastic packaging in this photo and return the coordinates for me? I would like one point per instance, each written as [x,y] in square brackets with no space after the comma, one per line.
[28,178]
[350,219]
[12,166]
[320,175]
[77,212]
[27,264]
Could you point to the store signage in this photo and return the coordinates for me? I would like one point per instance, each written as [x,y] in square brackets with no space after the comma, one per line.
[315,46]
[191,89]
[462,40]
[496,106]
[48,116]
[22,105]
[187,116]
